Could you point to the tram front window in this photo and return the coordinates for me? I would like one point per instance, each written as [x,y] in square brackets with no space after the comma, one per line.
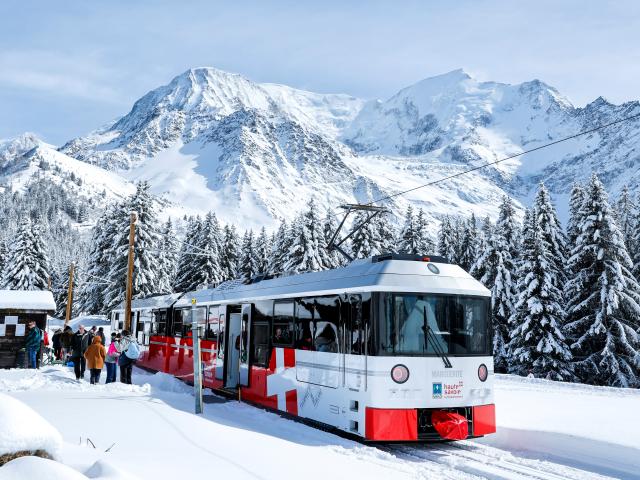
[414,324]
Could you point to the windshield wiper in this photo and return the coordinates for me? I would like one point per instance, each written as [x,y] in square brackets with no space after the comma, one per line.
[429,336]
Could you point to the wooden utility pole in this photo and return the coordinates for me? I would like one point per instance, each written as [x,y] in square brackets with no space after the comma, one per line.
[67,317]
[132,236]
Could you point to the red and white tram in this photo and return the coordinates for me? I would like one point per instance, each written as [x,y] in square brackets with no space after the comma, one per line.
[392,348]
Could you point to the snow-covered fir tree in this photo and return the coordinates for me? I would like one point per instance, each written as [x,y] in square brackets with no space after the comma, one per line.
[507,223]
[168,257]
[469,243]
[308,251]
[206,268]
[576,214]
[447,239]
[409,239]
[329,227]
[282,241]
[230,253]
[248,263]
[4,251]
[555,241]
[537,344]
[146,271]
[28,265]
[424,240]
[386,233]
[185,271]
[604,298]
[495,268]
[91,299]
[262,252]
[626,215]
[365,242]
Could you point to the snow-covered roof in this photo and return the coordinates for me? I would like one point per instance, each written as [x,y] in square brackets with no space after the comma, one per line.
[359,276]
[156,301]
[27,300]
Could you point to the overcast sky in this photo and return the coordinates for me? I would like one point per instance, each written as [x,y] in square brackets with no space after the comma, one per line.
[67,67]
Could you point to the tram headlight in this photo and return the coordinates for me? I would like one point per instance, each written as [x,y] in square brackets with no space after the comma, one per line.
[400,373]
[483,372]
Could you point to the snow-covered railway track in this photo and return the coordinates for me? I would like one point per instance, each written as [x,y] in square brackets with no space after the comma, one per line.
[488,463]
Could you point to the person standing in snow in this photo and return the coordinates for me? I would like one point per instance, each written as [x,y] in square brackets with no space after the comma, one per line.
[128,349]
[111,359]
[101,335]
[67,338]
[79,345]
[95,356]
[92,333]
[32,344]
[56,342]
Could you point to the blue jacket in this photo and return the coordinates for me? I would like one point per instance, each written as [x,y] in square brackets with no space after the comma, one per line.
[33,338]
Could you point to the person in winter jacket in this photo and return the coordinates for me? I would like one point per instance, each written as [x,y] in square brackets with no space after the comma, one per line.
[32,343]
[79,345]
[44,346]
[101,335]
[56,343]
[125,363]
[95,356]
[111,359]
[67,337]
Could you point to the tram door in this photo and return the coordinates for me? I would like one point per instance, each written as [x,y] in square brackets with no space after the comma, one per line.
[355,363]
[232,361]
[245,342]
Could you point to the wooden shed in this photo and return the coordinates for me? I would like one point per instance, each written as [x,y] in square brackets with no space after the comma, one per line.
[17,309]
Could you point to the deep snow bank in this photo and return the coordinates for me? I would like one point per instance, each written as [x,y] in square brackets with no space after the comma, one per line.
[23,429]
[581,425]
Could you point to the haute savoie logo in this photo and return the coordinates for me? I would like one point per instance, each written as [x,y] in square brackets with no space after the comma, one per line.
[437,390]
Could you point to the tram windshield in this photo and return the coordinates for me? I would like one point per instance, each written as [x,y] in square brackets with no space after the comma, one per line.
[426,324]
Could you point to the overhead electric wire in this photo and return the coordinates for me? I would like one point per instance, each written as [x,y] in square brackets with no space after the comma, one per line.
[510,157]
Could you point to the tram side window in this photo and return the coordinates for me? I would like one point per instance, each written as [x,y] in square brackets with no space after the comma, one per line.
[283,324]
[211,332]
[177,322]
[304,323]
[260,340]
[159,326]
[326,316]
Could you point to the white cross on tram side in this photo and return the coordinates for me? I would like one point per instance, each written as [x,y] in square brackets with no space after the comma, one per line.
[281,381]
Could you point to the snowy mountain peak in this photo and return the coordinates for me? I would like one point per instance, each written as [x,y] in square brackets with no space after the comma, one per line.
[14,147]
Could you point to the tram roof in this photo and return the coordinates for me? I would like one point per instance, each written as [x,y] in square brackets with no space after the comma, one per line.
[155,301]
[368,275]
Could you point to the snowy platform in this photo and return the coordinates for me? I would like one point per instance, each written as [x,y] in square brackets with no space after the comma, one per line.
[151,433]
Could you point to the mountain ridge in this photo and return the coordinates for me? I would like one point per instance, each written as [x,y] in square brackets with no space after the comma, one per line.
[212,139]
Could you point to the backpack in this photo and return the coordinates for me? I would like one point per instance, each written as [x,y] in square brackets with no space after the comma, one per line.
[133,351]
[112,350]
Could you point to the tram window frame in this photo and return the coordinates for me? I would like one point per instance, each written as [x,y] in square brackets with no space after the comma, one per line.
[288,325]
[176,325]
[322,321]
[212,333]
[262,317]
[159,323]
[300,341]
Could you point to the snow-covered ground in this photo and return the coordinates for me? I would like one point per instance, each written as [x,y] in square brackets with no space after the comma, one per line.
[546,430]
